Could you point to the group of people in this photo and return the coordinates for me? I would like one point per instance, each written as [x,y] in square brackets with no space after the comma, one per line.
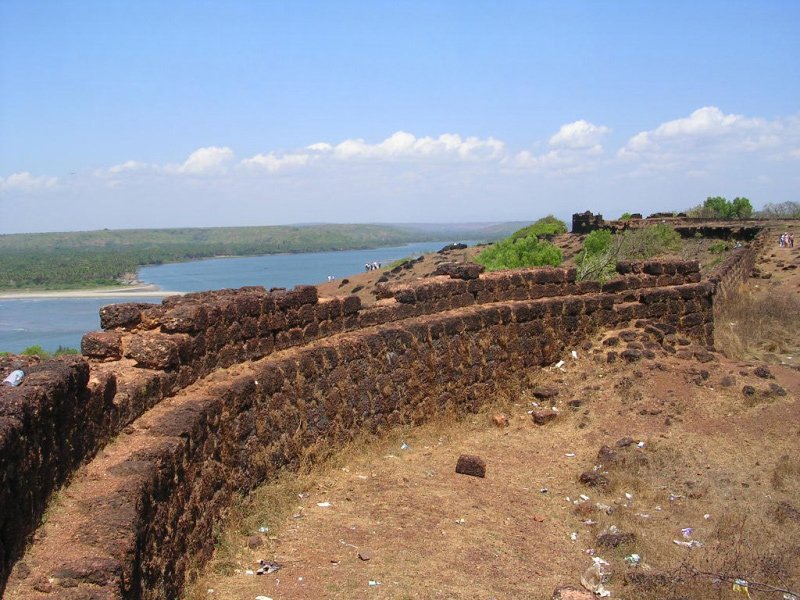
[373,266]
[786,240]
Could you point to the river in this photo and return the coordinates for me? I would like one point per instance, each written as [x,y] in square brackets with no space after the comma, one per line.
[51,323]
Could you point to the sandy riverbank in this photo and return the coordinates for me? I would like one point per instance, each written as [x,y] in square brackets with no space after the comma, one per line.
[139,291]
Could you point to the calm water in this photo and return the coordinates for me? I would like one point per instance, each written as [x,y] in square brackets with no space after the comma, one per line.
[52,323]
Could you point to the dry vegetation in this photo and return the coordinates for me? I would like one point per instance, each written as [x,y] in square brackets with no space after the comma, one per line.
[760,325]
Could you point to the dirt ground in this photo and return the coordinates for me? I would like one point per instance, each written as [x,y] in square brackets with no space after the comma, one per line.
[636,453]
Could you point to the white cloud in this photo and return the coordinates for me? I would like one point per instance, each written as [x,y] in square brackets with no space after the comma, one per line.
[25,182]
[273,162]
[402,146]
[574,148]
[131,165]
[707,129]
[579,134]
[203,160]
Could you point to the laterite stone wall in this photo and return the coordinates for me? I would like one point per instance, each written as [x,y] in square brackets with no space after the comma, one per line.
[308,374]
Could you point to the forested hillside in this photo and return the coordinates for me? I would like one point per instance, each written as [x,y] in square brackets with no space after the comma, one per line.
[99,258]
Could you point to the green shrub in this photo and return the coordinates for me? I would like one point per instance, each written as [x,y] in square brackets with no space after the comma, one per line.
[625,216]
[513,253]
[719,247]
[36,351]
[602,250]
[546,226]
[597,241]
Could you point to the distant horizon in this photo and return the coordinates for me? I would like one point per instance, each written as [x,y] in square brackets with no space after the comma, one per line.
[183,114]
[432,224]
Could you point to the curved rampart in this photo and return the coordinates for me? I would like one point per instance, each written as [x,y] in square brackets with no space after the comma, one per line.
[209,394]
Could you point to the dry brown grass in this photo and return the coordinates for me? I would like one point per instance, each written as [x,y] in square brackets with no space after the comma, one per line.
[741,539]
[757,324]
[276,504]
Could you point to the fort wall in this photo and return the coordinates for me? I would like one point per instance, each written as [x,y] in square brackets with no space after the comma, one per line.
[210,394]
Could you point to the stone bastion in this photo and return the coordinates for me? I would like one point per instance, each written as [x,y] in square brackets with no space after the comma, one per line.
[175,409]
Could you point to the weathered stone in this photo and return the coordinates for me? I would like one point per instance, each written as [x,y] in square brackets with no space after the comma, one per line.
[543,416]
[749,390]
[153,351]
[631,355]
[606,455]
[464,271]
[254,542]
[611,356]
[102,345]
[544,392]
[763,372]
[776,389]
[703,356]
[594,479]
[500,420]
[728,381]
[122,315]
[184,319]
[469,464]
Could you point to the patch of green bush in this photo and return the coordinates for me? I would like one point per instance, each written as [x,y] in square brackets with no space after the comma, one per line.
[36,351]
[602,249]
[544,227]
[719,247]
[513,253]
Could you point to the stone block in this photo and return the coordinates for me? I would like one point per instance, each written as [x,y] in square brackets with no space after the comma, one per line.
[104,345]
[153,351]
[126,315]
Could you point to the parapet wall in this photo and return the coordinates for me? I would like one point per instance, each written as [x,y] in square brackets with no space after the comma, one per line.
[736,269]
[308,374]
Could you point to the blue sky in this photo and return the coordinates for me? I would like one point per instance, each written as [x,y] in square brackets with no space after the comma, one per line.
[159,114]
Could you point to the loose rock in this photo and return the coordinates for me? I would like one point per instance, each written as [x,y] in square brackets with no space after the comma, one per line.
[469,464]
[762,372]
[776,389]
[500,420]
[543,416]
[254,542]
[594,479]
